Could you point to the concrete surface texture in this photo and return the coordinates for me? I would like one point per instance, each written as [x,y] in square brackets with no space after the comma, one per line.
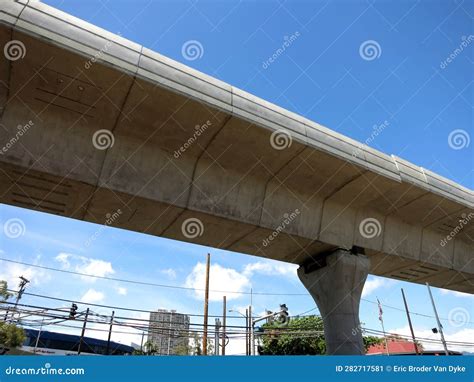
[337,287]
[101,129]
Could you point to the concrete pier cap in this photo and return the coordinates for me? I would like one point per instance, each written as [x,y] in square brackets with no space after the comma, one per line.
[335,280]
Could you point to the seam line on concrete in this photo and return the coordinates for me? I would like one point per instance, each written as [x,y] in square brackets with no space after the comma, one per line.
[114,126]
[196,163]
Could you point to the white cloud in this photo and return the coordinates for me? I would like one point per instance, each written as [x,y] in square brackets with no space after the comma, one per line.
[374,283]
[122,291]
[456,293]
[63,259]
[462,335]
[86,265]
[171,273]
[10,272]
[93,296]
[271,269]
[224,279]
[95,267]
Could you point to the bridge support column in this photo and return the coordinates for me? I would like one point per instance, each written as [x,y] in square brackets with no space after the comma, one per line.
[335,282]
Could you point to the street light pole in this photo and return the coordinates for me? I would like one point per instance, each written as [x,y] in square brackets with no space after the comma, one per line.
[246,316]
[253,322]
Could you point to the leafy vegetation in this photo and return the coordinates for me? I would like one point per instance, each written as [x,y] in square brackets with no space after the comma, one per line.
[10,335]
[302,336]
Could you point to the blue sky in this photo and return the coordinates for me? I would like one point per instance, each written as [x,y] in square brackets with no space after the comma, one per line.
[325,75]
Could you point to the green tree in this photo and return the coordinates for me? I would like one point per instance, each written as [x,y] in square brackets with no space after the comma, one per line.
[196,346]
[4,294]
[149,348]
[302,336]
[10,335]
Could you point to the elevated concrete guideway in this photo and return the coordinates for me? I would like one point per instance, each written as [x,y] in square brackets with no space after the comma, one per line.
[252,177]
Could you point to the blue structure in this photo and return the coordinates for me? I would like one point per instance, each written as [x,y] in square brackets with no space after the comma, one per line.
[51,343]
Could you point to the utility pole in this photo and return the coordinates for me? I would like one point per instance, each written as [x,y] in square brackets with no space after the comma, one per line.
[38,336]
[224,310]
[110,332]
[217,327]
[141,345]
[251,348]
[440,327]
[247,341]
[409,322]
[169,334]
[206,306]
[83,332]
[383,328]
[21,290]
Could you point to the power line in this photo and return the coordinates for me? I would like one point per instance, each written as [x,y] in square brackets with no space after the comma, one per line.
[112,306]
[41,313]
[192,289]
[149,283]
[188,333]
[416,313]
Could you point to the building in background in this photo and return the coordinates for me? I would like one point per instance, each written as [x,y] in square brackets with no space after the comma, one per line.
[168,332]
[52,343]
